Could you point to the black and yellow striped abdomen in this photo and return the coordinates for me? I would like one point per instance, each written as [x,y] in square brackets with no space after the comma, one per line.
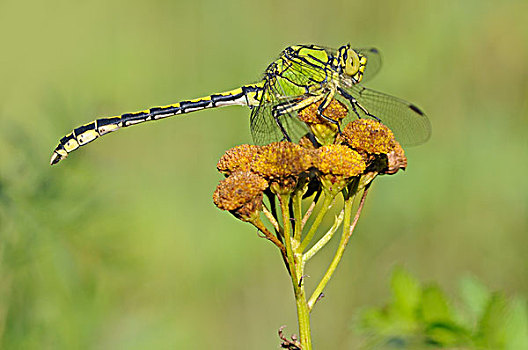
[247,95]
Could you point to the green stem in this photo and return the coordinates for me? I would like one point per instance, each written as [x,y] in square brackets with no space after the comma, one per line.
[271,218]
[303,317]
[318,219]
[308,212]
[325,239]
[294,256]
[284,200]
[297,214]
[348,229]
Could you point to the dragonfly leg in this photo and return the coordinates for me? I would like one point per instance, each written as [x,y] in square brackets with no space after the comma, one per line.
[322,106]
[296,105]
[355,105]
[289,107]
[276,116]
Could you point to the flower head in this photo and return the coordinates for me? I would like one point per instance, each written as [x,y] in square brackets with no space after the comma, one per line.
[241,194]
[396,160]
[282,159]
[338,160]
[238,158]
[282,163]
[369,136]
[337,164]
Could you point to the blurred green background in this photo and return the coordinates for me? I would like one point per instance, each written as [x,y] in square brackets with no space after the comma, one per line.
[120,246]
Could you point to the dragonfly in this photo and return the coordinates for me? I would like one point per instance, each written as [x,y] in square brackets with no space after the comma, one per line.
[302,75]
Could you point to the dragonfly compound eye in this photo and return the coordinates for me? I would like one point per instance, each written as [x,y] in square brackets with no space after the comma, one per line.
[355,65]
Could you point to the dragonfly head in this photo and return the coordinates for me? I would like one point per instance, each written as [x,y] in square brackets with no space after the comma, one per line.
[353,63]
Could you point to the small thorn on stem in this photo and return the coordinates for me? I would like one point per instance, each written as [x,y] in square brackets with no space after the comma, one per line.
[321,296]
[301,280]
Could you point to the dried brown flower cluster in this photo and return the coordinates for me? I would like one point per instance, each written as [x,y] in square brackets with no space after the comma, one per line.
[364,145]
[241,193]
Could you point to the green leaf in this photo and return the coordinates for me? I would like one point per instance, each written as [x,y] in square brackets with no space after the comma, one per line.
[492,332]
[447,334]
[434,306]
[475,296]
[504,325]
[424,318]
[406,292]
[375,320]
[517,326]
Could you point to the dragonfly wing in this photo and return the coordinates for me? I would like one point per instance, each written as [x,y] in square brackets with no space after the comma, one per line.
[267,128]
[409,124]
[263,127]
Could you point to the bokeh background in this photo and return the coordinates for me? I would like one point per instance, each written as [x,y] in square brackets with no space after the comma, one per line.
[121,247]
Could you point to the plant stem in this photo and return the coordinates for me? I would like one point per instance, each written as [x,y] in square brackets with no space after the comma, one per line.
[348,229]
[297,215]
[325,239]
[271,218]
[318,219]
[303,317]
[284,200]
[308,213]
[294,256]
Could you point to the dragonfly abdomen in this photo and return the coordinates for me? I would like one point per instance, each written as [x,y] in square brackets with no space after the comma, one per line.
[245,95]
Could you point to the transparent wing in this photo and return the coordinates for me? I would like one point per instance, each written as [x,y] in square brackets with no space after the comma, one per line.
[265,127]
[409,124]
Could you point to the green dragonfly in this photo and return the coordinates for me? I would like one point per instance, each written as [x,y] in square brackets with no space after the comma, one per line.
[301,76]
